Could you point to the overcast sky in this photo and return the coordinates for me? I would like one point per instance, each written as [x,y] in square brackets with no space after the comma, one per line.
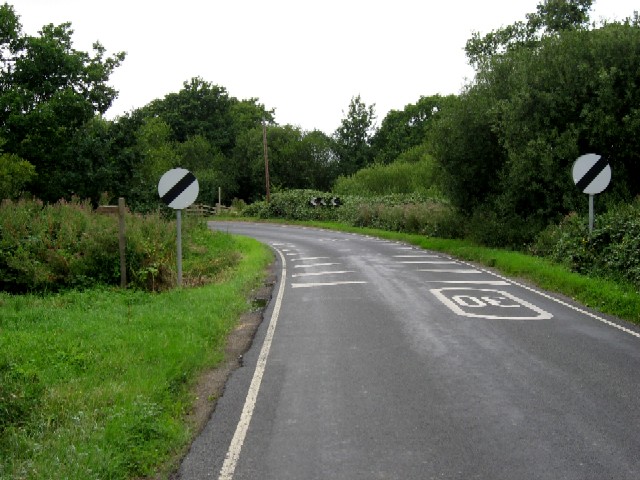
[305,59]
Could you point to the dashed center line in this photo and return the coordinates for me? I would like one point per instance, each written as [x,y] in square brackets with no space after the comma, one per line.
[325,284]
[312,274]
[312,265]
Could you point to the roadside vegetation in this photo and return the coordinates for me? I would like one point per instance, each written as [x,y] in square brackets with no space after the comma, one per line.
[96,382]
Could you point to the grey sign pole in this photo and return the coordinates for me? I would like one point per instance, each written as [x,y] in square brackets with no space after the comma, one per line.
[178,188]
[179,245]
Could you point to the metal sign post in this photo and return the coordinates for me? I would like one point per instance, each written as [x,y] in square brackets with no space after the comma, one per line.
[178,188]
[591,174]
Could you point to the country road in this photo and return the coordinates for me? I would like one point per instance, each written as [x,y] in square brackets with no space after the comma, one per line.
[378,360]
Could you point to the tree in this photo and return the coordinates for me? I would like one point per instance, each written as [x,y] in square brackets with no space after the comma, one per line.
[15,174]
[319,151]
[552,17]
[48,91]
[467,149]
[508,143]
[402,130]
[353,137]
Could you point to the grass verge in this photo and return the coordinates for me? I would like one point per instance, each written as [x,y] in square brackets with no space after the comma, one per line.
[95,384]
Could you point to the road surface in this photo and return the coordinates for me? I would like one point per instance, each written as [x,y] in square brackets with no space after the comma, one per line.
[378,360]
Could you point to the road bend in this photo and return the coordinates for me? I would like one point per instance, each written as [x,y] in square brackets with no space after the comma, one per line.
[379,360]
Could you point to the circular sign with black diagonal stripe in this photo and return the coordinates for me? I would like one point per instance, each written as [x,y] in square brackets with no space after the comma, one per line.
[178,188]
[591,173]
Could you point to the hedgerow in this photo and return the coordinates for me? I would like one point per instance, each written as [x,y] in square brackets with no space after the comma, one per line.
[611,251]
[66,245]
[412,213]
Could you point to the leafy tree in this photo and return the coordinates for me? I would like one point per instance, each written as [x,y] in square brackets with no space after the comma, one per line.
[551,18]
[319,151]
[402,130]
[467,149]
[15,174]
[353,137]
[297,160]
[507,144]
[200,108]
[48,91]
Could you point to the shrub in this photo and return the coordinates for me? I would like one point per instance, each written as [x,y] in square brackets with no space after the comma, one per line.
[413,213]
[401,177]
[611,251]
[51,247]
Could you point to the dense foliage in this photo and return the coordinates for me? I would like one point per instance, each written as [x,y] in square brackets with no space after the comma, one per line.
[48,247]
[611,251]
[412,213]
[546,91]
[414,171]
[48,92]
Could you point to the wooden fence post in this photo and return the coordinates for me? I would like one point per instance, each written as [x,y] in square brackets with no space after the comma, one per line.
[122,241]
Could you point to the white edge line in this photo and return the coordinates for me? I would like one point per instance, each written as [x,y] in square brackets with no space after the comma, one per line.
[471,282]
[233,453]
[440,270]
[564,304]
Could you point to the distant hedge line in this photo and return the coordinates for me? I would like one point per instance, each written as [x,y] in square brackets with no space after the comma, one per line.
[413,213]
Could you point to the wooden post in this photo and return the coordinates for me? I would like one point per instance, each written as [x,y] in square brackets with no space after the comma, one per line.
[266,159]
[122,241]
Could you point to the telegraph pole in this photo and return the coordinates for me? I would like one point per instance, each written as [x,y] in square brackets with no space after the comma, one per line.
[266,159]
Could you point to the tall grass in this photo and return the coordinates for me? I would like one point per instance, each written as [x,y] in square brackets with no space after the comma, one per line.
[94,384]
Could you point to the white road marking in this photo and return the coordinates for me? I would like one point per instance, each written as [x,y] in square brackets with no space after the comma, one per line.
[431,262]
[327,284]
[565,304]
[233,453]
[312,274]
[471,303]
[454,270]
[311,265]
[302,259]
[417,256]
[471,282]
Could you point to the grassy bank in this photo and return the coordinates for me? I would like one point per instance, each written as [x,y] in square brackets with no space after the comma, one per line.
[95,384]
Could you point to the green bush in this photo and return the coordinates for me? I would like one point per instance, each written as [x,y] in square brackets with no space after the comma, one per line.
[611,251]
[400,177]
[66,245]
[412,213]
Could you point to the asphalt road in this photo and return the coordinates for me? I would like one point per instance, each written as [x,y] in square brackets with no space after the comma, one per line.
[377,360]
